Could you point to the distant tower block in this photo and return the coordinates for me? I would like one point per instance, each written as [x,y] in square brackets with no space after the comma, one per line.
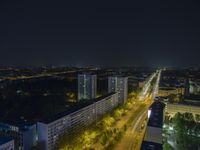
[87,86]
[119,85]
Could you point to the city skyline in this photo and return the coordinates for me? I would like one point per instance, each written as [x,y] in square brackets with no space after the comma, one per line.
[84,108]
[80,75]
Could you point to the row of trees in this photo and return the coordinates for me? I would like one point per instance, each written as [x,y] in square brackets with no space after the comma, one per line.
[104,132]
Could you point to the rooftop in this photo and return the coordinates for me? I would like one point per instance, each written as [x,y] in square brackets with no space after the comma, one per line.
[75,108]
[156,117]
[151,146]
[4,140]
[192,100]
[193,97]
[20,124]
[87,74]
[118,76]
[167,88]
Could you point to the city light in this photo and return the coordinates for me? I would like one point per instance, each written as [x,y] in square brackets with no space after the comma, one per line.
[149,113]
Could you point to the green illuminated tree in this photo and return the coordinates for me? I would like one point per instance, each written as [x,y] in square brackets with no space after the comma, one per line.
[197,117]
[167,146]
[117,113]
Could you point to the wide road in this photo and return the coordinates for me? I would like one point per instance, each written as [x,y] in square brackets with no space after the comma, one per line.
[139,116]
[133,138]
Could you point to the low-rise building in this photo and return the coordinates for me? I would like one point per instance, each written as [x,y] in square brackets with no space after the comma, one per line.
[24,134]
[153,135]
[151,146]
[6,143]
[167,91]
[172,109]
[192,99]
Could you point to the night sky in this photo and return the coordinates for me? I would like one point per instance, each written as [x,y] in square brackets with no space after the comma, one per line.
[100,33]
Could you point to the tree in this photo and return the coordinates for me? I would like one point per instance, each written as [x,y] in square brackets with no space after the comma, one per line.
[125,127]
[111,145]
[119,135]
[128,105]
[187,131]
[174,98]
[197,129]
[104,139]
[167,146]
[197,117]
[87,138]
[107,122]
[117,113]
[188,116]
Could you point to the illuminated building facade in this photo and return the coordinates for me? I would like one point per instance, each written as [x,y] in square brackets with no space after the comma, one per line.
[119,85]
[87,86]
[167,91]
[172,109]
[75,119]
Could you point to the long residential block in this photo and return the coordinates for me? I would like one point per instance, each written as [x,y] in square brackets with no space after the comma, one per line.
[74,119]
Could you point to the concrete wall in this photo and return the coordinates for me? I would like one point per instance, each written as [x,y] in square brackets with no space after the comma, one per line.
[42,130]
[29,138]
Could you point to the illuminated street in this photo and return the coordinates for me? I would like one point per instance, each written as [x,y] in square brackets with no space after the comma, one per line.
[133,138]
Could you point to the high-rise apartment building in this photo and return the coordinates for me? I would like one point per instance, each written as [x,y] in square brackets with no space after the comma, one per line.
[87,86]
[119,85]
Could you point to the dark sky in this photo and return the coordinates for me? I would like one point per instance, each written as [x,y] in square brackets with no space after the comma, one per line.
[60,33]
